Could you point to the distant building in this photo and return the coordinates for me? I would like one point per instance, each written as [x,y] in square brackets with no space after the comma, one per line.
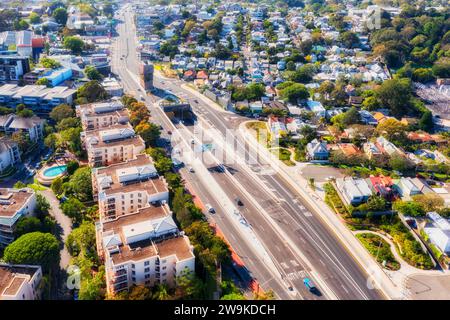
[9,153]
[15,203]
[40,99]
[112,87]
[102,114]
[438,232]
[33,126]
[20,282]
[146,75]
[115,144]
[13,67]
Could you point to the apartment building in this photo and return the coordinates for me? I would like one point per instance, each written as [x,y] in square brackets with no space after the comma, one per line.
[9,153]
[14,204]
[116,144]
[102,115]
[13,67]
[38,98]
[33,126]
[126,187]
[20,282]
[143,248]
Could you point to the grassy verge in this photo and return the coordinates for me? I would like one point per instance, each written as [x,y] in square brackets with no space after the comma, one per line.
[379,249]
[334,201]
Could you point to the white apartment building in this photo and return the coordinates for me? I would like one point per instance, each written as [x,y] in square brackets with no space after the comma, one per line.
[20,282]
[9,153]
[143,248]
[126,187]
[14,203]
[102,115]
[116,144]
[32,126]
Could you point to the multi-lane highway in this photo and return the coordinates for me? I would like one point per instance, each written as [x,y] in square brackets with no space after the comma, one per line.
[297,240]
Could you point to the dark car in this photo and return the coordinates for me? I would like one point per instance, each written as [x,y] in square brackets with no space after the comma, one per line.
[239,202]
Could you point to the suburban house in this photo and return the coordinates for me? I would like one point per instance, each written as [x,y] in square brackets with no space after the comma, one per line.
[116,144]
[407,188]
[9,153]
[20,282]
[125,187]
[317,151]
[438,231]
[354,191]
[102,114]
[15,203]
[143,248]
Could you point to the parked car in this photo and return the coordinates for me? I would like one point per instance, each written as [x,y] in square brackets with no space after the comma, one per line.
[191,170]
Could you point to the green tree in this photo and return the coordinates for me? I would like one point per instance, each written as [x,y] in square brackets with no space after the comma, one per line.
[149,132]
[349,39]
[294,92]
[67,123]
[74,44]
[19,185]
[91,91]
[92,73]
[43,82]
[409,208]
[34,18]
[57,186]
[49,63]
[61,112]
[34,248]
[26,225]
[74,209]
[21,25]
[60,15]
[93,288]
[72,166]
[426,121]
[396,95]
[399,163]
[80,184]
[51,141]
[42,206]
[82,240]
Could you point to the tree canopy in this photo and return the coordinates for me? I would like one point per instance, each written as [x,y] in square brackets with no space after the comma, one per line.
[34,248]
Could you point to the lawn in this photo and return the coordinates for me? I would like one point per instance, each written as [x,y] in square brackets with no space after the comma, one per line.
[379,249]
[36,186]
[260,131]
[284,155]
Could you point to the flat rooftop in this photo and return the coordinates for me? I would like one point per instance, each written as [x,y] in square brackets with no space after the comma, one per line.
[12,277]
[11,200]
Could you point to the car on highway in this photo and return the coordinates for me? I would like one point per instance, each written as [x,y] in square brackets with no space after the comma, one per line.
[192,141]
[311,286]
[210,208]
[196,101]
[169,132]
[239,202]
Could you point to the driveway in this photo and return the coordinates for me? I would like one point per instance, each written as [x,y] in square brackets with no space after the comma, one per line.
[320,173]
[64,222]
[427,287]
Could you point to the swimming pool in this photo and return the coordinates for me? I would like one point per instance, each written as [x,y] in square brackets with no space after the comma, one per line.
[54,171]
